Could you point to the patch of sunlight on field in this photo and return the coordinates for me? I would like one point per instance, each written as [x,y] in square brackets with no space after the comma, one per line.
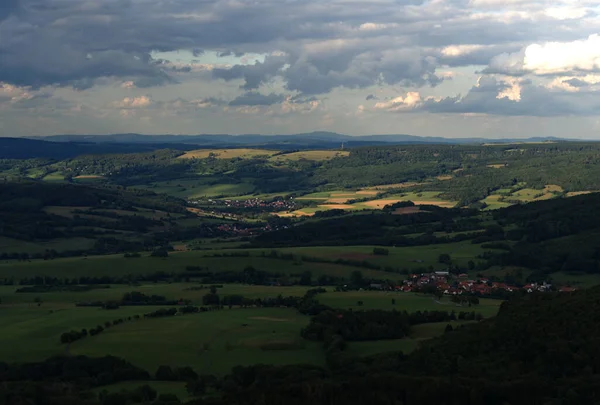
[244,153]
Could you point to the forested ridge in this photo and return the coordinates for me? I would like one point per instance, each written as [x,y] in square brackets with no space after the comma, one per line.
[476,170]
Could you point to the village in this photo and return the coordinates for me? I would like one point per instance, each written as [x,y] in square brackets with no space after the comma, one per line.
[278,204]
[451,284]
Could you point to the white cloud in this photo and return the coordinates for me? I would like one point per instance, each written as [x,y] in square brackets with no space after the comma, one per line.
[408,102]
[561,57]
[133,102]
[512,91]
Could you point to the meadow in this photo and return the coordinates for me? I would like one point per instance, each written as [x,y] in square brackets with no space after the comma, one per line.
[117,265]
[243,153]
[200,187]
[59,244]
[317,155]
[409,302]
[210,342]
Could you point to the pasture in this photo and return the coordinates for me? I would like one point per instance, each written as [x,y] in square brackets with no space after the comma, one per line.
[200,187]
[211,342]
[172,291]
[412,257]
[118,266]
[409,302]
[418,198]
[243,153]
[59,244]
[317,155]
[418,334]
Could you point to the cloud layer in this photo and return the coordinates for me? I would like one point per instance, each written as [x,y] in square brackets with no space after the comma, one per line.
[232,61]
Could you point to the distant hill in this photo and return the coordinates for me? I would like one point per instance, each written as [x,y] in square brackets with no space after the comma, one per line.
[311,140]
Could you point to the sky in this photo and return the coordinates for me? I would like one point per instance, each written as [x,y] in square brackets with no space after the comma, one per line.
[452,68]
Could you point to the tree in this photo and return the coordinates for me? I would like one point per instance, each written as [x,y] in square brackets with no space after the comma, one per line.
[211,299]
[162,252]
[168,398]
[165,373]
[357,279]
[359,303]
[393,301]
[305,278]
[471,265]
[145,393]
[444,258]
[448,328]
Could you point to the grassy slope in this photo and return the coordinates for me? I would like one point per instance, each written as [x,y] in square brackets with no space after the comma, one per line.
[244,153]
[171,291]
[410,302]
[211,342]
[117,265]
[16,245]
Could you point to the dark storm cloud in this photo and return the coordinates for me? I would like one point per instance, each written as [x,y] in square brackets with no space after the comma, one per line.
[326,44]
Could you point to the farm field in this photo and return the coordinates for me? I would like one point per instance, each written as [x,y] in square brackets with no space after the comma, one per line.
[419,333]
[60,245]
[310,155]
[337,196]
[244,153]
[506,197]
[54,176]
[413,257]
[198,188]
[410,302]
[32,333]
[172,291]
[211,342]
[117,265]
[419,198]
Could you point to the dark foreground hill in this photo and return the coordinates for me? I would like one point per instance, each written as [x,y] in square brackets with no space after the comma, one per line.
[542,349]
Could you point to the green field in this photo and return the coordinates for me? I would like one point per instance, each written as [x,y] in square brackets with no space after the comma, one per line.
[32,333]
[211,342]
[243,153]
[411,258]
[310,155]
[410,302]
[60,245]
[419,333]
[198,188]
[414,257]
[117,265]
[171,291]
[54,176]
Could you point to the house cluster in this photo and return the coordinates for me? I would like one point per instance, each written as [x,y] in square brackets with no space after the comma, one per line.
[276,205]
[452,284]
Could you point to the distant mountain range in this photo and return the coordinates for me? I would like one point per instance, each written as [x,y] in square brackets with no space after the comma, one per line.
[312,139]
